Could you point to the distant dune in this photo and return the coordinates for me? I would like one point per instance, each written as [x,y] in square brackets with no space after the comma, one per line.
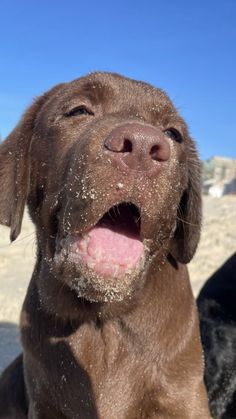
[218,242]
[218,239]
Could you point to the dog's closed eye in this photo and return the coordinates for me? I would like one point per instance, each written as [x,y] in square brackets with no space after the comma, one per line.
[79,111]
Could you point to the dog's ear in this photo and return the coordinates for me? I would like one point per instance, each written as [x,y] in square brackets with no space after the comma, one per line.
[15,168]
[189,215]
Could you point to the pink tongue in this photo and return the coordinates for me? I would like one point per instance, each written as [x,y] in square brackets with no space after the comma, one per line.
[109,252]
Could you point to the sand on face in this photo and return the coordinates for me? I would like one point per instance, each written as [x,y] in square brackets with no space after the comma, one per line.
[217,243]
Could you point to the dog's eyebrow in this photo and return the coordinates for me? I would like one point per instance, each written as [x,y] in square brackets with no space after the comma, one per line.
[95,91]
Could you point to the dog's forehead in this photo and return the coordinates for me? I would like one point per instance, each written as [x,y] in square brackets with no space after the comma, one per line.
[110,87]
[114,94]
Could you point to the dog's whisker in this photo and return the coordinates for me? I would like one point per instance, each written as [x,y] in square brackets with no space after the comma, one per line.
[186,222]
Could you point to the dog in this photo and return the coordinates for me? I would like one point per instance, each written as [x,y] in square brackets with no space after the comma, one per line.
[216,304]
[109,326]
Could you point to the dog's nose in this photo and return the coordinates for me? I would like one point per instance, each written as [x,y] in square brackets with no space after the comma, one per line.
[138,147]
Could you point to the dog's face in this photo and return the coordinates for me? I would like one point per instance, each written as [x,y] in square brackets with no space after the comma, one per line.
[111,178]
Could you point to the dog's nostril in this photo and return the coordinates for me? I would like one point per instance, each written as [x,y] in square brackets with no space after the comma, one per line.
[154,152]
[160,152]
[127,146]
[119,145]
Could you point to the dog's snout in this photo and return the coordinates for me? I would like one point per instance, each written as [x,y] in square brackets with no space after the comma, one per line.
[138,147]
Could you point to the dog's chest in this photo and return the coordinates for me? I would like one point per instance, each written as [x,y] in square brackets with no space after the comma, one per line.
[100,368]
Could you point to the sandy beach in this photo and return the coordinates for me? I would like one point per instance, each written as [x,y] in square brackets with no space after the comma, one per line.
[217,243]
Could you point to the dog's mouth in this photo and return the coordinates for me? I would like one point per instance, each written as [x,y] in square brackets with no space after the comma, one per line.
[113,247]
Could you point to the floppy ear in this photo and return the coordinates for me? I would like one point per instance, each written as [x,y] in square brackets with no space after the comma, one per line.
[15,168]
[187,233]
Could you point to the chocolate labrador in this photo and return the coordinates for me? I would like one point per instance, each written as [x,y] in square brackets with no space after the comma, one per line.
[109,326]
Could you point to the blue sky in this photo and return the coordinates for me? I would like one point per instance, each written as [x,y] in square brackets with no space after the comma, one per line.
[188,48]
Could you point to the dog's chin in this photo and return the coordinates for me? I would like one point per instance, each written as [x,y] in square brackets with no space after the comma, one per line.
[97,288]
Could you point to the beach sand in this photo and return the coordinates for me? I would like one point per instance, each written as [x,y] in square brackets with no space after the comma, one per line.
[217,243]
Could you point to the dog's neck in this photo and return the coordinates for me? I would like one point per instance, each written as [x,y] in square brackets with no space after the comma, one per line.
[164,282]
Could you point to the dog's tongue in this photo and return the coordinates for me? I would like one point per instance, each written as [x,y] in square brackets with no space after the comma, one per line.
[112,248]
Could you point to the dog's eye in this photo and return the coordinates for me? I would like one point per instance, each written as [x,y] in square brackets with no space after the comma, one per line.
[173,134]
[79,110]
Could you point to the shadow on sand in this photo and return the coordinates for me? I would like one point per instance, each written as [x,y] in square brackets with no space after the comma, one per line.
[9,343]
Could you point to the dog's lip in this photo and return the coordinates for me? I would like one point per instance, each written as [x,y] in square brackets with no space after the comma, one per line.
[112,212]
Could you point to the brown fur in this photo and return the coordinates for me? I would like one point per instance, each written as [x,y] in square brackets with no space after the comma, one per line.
[125,349]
